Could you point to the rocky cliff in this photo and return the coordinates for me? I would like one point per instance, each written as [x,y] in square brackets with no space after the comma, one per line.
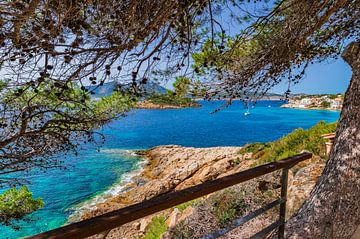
[174,167]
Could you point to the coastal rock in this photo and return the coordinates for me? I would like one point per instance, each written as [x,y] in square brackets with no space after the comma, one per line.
[170,168]
[301,184]
[175,167]
[144,223]
[186,213]
[137,225]
[173,218]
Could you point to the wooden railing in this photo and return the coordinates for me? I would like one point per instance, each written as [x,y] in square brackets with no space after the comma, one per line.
[128,214]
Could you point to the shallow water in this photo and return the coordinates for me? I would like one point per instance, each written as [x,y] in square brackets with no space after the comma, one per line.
[93,173]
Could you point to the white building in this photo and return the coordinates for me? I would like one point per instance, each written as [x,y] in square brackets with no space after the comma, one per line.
[305,102]
[336,103]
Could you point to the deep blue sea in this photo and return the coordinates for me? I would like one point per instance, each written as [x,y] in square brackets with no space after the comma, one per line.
[92,173]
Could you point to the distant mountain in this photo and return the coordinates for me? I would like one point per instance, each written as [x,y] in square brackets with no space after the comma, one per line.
[108,88]
[105,90]
[154,88]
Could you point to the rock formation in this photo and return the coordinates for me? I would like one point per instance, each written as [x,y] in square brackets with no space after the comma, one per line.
[174,167]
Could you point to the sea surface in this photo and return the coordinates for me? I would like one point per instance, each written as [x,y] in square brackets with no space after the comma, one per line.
[92,176]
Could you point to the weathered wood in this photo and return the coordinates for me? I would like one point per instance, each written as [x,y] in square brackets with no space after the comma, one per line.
[284,186]
[267,230]
[242,220]
[125,215]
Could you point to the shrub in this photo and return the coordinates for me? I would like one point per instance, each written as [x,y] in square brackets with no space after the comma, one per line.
[169,99]
[294,143]
[325,104]
[16,204]
[156,228]
[228,205]
[183,206]
[254,148]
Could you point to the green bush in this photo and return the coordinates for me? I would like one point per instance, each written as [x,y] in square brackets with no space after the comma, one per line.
[299,140]
[228,205]
[185,205]
[169,99]
[156,228]
[325,104]
[16,204]
[254,148]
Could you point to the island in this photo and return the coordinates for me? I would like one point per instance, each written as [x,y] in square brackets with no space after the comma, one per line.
[166,102]
[179,97]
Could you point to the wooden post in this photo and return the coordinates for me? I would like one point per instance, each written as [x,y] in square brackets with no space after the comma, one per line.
[284,186]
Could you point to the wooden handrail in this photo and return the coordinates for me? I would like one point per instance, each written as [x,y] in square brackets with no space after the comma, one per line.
[128,214]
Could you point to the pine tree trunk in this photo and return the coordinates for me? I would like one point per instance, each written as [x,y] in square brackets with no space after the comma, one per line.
[333,208]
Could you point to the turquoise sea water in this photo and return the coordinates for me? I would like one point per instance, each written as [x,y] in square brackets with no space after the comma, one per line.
[92,172]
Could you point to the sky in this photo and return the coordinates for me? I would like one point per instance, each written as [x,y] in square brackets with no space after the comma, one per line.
[330,77]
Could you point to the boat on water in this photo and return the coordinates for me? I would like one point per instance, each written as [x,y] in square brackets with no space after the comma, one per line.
[247,113]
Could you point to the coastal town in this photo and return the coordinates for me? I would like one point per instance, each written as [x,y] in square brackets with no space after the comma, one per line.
[327,102]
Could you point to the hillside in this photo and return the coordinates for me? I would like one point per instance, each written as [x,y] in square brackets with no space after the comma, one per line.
[107,88]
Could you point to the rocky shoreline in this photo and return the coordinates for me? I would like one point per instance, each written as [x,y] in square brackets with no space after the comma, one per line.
[293,106]
[170,168]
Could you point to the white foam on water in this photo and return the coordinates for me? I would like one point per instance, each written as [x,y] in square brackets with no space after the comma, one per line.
[114,190]
[125,152]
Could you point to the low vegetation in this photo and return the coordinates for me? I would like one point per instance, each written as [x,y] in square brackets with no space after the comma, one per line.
[15,204]
[169,99]
[294,143]
[222,208]
[177,97]
[156,228]
[228,205]
[183,206]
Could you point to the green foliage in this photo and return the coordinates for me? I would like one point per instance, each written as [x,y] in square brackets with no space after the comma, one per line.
[325,104]
[185,205]
[254,148]
[181,86]
[73,103]
[176,97]
[16,204]
[228,205]
[113,105]
[217,53]
[332,96]
[293,143]
[3,84]
[156,228]
[237,160]
[169,99]
[56,117]
[198,89]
